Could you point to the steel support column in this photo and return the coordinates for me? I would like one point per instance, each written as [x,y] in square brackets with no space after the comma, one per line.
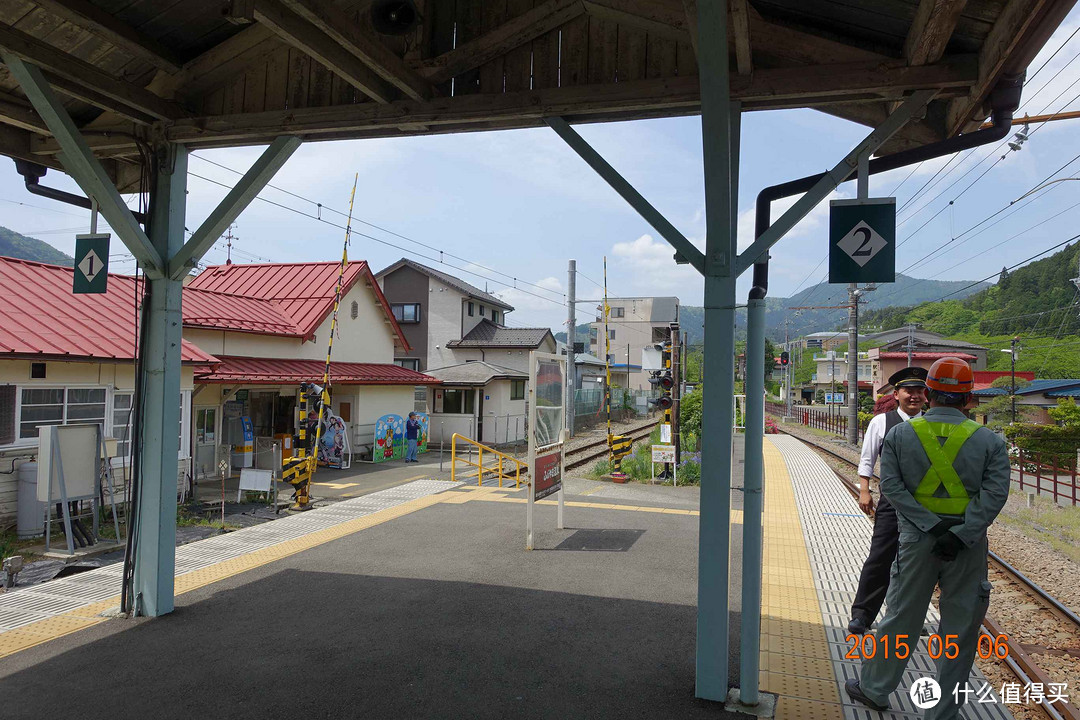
[753,502]
[878,137]
[720,151]
[651,215]
[156,548]
[79,162]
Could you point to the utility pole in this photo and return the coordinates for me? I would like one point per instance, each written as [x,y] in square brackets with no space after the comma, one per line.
[607,368]
[854,293]
[910,342]
[787,368]
[571,338]
[676,390]
[1012,352]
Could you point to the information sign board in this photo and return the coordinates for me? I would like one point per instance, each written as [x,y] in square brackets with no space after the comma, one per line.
[862,240]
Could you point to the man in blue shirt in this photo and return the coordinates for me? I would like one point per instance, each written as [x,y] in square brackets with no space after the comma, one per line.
[412,437]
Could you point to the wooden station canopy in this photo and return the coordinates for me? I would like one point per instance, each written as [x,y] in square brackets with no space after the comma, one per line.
[214,73]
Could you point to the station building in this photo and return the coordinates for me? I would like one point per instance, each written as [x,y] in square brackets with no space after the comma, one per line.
[252,334]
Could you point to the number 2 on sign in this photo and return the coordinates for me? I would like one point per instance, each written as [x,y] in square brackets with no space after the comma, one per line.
[863,250]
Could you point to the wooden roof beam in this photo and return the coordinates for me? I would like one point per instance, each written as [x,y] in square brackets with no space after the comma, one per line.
[511,34]
[224,62]
[661,19]
[93,19]
[740,27]
[312,41]
[1014,22]
[364,44]
[765,88]
[75,75]
[19,113]
[931,30]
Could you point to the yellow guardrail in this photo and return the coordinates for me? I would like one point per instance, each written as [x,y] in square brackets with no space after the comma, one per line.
[495,467]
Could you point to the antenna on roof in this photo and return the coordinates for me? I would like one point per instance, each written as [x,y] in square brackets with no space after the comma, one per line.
[228,245]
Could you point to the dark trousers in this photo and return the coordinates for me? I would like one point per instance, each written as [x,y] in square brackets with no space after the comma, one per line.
[874,580]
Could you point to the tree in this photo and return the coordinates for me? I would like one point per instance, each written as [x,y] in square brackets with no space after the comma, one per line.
[1066,414]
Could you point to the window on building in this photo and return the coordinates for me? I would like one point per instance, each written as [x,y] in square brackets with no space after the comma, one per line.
[355,310]
[7,414]
[470,309]
[406,312]
[517,389]
[121,423]
[481,311]
[495,316]
[458,401]
[618,312]
[612,334]
[420,399]
[59,406]
[408,363]
[37,371]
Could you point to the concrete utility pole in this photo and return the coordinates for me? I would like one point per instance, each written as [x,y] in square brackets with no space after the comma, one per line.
[910,342]
[1012,352]
[853,364]
[571,337]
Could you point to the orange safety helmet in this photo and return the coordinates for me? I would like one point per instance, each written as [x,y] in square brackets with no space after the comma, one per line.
[951,375]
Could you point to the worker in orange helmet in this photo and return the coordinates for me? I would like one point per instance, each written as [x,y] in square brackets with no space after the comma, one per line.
[948,478]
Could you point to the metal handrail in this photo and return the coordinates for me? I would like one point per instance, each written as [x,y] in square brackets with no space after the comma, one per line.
[497,469]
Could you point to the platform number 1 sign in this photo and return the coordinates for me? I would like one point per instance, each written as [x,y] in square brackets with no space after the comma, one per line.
[91,264]
[862,240]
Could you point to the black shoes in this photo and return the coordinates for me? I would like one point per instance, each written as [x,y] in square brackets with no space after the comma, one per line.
[858,626]
[855,693]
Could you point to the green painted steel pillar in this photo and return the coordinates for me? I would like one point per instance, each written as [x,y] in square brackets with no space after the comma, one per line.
[753,502]
[155,557]
[720,146]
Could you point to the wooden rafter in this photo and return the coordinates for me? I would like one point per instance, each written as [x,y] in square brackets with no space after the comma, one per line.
[221,63]
[315,43]
[19,113]
[740,29]
[364,44]
[1008,31]
[79,75]
[767,88]
[656,19]
[931,29]
[511,34]
[90,17]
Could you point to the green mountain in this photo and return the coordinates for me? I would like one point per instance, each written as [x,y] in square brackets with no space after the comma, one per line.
[12,244]
[905,292]
[1037,299]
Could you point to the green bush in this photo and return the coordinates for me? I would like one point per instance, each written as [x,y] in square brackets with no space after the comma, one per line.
[690,469]
[1054,444]
[690,414]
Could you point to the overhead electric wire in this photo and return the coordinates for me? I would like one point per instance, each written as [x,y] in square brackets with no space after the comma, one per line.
[1011,267]
[319,217]
[398,247]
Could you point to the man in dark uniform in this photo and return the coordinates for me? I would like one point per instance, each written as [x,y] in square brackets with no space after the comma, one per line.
[909,389]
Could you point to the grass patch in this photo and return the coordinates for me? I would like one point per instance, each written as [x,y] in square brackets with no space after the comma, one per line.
[190,516]
[1055,525]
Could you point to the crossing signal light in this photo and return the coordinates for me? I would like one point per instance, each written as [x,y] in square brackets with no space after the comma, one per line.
[665,382]
[785,358]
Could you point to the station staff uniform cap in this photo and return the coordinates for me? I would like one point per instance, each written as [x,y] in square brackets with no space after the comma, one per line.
[909,377]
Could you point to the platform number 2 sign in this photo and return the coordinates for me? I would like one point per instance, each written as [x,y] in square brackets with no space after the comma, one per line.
[862,237]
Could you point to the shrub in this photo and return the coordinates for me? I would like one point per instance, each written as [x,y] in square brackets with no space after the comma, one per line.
[690,469]
[770,426]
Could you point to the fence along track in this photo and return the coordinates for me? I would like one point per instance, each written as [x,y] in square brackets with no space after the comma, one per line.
[1018,661]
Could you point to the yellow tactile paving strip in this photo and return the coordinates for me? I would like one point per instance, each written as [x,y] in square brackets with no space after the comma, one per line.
[42,631]
[795,661]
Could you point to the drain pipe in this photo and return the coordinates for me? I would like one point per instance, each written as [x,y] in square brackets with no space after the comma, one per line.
[1004,100]
[32,174]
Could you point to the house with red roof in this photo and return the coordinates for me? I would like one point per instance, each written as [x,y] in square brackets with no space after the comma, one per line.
[886,362]
[252,334]
[268,326]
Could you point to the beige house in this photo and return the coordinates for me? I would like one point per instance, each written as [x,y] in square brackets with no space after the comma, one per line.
[634,323]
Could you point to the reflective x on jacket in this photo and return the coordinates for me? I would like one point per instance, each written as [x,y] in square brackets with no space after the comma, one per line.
[982,464]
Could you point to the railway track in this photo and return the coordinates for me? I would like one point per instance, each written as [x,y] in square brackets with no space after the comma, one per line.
[1035,599]
[587,453]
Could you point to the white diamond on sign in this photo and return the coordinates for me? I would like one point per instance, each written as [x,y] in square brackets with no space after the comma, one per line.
[91,265]
[862,243]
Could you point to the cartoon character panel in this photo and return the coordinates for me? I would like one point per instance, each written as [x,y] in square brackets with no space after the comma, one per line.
[389,438]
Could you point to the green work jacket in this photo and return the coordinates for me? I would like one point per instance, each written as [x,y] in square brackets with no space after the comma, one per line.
[982,464]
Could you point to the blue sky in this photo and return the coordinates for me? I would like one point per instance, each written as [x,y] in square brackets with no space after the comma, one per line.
[519,204]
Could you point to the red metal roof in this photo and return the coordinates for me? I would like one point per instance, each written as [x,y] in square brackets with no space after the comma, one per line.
[40,316]
[209,309]
[286,372]
[927,355]
[303,291]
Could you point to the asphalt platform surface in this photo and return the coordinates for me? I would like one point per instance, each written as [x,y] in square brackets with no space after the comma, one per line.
[440,613]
